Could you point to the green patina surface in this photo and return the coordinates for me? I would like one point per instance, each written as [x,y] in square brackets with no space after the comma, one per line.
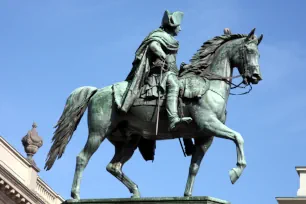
[185,200]
[206,83]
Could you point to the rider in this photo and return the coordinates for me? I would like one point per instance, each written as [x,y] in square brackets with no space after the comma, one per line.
[157,51]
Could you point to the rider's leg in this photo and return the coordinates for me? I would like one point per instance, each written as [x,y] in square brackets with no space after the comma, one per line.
[172,102]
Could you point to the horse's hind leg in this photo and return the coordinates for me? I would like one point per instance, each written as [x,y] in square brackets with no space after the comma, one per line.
[100,117]
[123,152]
[93,142]
[200,148]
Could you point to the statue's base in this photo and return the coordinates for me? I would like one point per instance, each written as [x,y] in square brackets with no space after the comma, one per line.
[164,200]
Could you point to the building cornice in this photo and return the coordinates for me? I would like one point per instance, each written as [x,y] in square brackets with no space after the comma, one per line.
[19,179]
[291,198]
[12,149]
[16,189]
[43,189]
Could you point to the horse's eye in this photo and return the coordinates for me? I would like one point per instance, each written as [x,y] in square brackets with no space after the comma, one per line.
[251,52]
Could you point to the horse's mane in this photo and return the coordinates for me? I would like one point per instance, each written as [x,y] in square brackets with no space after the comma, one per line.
[202,59]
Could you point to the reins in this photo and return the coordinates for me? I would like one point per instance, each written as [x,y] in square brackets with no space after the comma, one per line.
[212,76]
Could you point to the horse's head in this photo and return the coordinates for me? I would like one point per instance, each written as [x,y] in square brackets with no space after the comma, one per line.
[246,59]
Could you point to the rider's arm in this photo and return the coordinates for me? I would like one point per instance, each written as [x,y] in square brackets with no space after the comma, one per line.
[184,66]
[156,48]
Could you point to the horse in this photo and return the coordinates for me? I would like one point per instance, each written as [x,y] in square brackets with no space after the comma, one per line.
[206,85]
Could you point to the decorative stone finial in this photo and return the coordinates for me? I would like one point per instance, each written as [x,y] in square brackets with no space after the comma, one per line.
[32,142]
[227,31]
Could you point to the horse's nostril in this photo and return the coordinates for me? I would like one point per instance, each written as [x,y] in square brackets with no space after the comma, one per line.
[256,76]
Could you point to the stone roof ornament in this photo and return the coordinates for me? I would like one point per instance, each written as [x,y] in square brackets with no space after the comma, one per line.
[32,142]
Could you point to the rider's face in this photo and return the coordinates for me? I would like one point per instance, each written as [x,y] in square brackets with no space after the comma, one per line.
[177,29]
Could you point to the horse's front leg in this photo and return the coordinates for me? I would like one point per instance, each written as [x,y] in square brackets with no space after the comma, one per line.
[217,128]
[200,148]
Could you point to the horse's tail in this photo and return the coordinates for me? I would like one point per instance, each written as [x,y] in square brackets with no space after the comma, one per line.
[76,105]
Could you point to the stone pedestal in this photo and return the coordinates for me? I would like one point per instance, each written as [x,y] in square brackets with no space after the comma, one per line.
[164,200]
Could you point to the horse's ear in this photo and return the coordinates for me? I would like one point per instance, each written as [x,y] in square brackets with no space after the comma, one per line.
[227,31]
[251,34]
[259,39]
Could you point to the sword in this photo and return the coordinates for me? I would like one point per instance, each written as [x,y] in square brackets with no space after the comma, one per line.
[158,101]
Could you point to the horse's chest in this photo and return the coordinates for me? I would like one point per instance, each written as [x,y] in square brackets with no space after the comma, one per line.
[210,105]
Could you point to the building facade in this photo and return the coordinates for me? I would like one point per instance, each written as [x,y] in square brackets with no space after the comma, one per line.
[19,179]
[301,193]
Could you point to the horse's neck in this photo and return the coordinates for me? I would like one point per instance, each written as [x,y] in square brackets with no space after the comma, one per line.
[221,66]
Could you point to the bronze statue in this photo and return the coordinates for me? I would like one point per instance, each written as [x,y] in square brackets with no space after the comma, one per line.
[125,113]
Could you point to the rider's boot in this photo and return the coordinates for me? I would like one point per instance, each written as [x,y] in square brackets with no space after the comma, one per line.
[172,102]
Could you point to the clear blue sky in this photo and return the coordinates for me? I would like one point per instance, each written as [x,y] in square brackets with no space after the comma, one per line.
[49,48]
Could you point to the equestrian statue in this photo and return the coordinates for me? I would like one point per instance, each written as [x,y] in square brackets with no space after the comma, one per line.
[158,101]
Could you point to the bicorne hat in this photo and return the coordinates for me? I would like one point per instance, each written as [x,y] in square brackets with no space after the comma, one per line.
[172,19]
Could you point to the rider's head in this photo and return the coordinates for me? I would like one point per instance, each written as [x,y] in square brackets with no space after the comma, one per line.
[171,22]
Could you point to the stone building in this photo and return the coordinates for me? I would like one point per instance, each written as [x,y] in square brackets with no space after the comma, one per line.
[19,179]
[301,193]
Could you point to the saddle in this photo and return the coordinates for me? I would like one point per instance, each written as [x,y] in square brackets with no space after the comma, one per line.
[190,88]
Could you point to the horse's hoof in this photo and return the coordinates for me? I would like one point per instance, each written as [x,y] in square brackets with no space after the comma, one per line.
[73,200]
[233,175]
[136,195]
[187,194]
[75,196]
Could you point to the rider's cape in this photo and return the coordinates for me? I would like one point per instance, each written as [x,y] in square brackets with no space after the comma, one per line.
[141,65]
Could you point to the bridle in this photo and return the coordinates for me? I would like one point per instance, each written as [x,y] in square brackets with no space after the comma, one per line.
[243,56]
